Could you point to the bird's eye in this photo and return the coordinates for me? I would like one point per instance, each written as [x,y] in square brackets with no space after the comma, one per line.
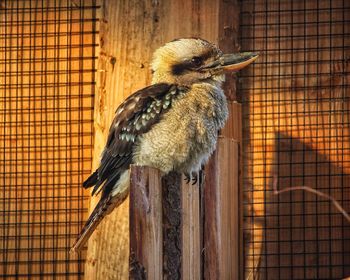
[196,61]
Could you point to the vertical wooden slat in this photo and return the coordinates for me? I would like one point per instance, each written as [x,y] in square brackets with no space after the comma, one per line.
[221,225]
[236,134]
[191,231]
[146,240]
[228,25]
[233,128]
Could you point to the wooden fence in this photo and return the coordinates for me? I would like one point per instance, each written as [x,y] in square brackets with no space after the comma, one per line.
[184,231]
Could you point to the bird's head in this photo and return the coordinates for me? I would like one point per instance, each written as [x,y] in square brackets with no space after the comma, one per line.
[188,61]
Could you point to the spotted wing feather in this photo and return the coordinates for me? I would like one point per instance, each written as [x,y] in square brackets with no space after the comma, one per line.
[135,116]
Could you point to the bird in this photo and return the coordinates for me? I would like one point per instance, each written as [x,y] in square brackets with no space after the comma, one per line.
[172,124]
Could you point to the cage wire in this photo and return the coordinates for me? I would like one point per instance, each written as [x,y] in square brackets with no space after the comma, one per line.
[47,74]
[296,123]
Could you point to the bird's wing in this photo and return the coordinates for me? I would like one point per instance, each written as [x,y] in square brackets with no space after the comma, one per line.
[135,116]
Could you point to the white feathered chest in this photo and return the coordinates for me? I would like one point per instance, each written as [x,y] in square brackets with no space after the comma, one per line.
[186,135]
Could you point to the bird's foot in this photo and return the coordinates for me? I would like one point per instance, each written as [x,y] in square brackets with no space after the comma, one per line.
[187,177]
[194,177]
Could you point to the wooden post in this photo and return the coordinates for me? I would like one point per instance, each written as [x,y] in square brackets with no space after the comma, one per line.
[191,230]
[146,233]
[221,224]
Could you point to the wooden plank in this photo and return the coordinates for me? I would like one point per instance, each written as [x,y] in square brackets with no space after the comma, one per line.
[233,128]
[228,25]
[221,224]
[146,232]
[191,231]
[236,133]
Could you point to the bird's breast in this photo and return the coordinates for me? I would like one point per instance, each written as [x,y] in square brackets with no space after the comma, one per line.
[186,135]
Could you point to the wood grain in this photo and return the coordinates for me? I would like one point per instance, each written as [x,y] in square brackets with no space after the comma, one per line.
[146,231]
[221,224]
[191,230]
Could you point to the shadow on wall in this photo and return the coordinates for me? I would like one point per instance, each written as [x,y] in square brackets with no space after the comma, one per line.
[305,236]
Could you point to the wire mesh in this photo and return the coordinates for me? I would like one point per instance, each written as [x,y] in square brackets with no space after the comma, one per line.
[296,133]
[47,73]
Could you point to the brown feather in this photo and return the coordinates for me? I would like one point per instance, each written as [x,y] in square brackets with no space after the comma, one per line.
[103,208]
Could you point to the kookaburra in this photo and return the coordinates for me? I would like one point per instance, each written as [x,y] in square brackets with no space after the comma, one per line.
[172,124]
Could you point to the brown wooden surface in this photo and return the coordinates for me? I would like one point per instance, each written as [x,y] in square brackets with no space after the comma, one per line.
[130,32]
[146,231]
[234,129]
[228,26]
[221,224]
[191,231]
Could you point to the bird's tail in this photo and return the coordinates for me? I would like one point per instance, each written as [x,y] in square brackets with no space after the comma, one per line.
[91,181]
[106,204]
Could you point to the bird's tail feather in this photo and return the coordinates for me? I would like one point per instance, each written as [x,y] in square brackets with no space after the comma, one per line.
[106,204]
[103,207]
[91,181]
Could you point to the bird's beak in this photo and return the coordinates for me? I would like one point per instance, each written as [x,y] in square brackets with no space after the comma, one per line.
[237,61]
[234,61]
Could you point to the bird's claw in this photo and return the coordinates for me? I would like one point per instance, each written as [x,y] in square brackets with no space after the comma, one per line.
[187,177]
[193,177]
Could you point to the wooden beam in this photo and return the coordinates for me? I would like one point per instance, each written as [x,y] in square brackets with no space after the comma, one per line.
[233,128]
[228,26]
[221,224]
[146,231]
[191,230]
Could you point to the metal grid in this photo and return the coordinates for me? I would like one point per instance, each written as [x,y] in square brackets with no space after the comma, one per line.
[47,73]
[296,107]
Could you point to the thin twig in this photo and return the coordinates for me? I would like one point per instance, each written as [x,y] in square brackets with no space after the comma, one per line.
[311,190]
